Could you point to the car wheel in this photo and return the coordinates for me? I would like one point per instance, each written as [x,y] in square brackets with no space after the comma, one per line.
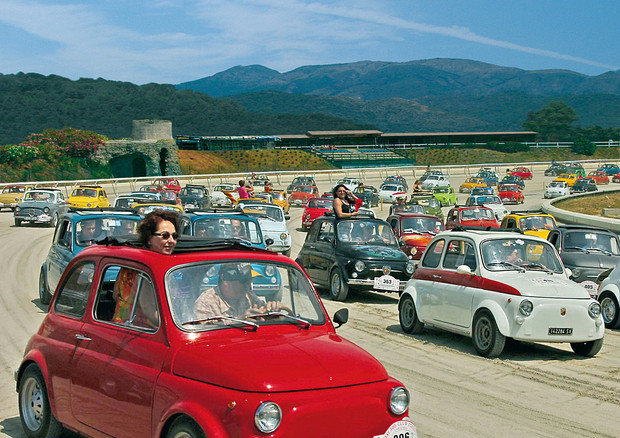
[587,349]
[34,407]
[408,316]
[18,222]
[184,427]
[488,340]
[338,289]
[609,310]
[44,293]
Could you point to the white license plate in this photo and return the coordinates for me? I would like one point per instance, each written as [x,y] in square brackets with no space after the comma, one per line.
[387,282]
[400,429]
[560,331]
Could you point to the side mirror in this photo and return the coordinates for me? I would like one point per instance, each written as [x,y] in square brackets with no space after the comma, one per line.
[464,269]
[287,216]
[341,317]
[268,241]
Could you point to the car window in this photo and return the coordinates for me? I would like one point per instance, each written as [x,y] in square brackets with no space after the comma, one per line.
[432,255]
[126,296]
[326,232]
[73,294]
[459,252]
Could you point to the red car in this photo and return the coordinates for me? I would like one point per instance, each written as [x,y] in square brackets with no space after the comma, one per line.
[616,178]
[599,177]
[511,194]
[301,194]
[523,172]
[316,207]
[168,184]
[414,231]
[475,216]
[173,359]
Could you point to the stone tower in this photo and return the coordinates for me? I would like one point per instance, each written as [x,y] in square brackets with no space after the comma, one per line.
[151,130]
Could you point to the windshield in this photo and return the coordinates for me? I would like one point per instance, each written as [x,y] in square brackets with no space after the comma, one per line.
[221,187]
[488,200]
[412,225]
[225,227]
[407,208]
[591,241]
[212,296]
[39,196]
[509,189]
[471,214]
[191,191]
[519,254]
[89,231]
[146,209]
[441,190]
[535,223]
[90,193]
[365,232]
[14,189]
[428,202]
[391,188]
[320,203]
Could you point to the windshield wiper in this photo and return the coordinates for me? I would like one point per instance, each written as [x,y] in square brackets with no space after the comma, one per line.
[538,266]
[604,251]
[302,321]
[578,248]
[220,317]
[512,265]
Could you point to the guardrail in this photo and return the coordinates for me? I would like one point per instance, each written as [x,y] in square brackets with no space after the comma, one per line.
[571,217]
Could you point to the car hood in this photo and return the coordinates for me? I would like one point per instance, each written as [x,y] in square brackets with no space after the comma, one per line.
[591,260]
[374,252]
[541,284]
[263,362]
[35,204]
[269,226]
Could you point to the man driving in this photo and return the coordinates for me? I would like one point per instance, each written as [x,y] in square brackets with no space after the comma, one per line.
[89,232]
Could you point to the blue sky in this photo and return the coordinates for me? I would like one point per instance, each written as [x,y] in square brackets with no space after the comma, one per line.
[173,41]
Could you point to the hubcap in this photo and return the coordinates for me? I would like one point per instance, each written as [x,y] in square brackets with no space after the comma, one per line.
[335,284]
[608,309]
[33,404]
[483,333]
[407,312]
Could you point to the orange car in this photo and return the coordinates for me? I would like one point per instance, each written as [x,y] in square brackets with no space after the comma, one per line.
[599,177]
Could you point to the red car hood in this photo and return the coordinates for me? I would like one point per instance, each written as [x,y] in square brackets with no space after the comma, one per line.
[315,212]
[417,239]
[263,362]
[480,223]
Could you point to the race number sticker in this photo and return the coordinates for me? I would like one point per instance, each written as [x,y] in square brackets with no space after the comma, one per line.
[590,286]
[400,429]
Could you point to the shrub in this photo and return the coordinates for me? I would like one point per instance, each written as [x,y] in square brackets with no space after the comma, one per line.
[583,146]
[18,154]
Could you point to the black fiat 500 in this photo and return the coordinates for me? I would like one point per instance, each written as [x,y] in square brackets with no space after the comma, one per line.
[354,254]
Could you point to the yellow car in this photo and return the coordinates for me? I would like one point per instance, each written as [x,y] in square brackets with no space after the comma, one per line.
[88,197]
[568,178]
[280,199]
[12,195]
[535,224]
[471,183]
[146,208]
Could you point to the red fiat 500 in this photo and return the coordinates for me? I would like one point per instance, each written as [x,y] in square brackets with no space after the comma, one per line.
[476,216]
[511,193]
[523,172]
[315,207]
[140,344]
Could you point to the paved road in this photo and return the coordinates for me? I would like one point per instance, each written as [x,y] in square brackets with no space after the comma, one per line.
[530,390]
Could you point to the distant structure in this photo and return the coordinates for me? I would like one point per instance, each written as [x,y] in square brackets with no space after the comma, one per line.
[151,151]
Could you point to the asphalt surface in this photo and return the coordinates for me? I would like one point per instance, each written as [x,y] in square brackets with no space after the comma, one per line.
[539,390]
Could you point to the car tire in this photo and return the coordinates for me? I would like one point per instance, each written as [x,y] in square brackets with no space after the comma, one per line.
[609,310]
[487,339]
[18,222]
[44,292]
[408,316]
[35,412]
[338,289]
[587,349]
[184,427]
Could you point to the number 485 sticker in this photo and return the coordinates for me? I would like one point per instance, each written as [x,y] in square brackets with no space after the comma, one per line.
[400,429]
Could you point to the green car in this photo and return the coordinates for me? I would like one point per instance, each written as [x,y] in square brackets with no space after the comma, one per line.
[577,169]
[445,195]
[431,205]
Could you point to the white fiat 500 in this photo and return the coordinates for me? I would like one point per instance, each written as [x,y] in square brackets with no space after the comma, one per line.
[496,285]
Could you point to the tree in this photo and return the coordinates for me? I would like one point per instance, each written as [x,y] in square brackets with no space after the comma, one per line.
[553,122]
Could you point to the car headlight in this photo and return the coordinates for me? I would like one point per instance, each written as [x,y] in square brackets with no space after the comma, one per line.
[399,400]
[268,417]
[594,310]
[88,204]
[283,236]
[46,210]
[410,267]
[359,266]
[526,307]
[270,270]
[17,209]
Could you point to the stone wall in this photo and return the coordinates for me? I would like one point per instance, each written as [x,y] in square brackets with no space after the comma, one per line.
[132,158]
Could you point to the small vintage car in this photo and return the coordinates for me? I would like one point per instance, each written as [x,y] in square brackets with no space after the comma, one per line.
[390,192]
[482,191]
[168,184]
[406,208]
[555,189]
[471,183]
[616,178]
[301,194]
[490,177]
[414,231]
[88,197]
[584,185]
[586,251]
[301,181]
[145,208]
[127,201]
[12,195]
[349,183]
[608,294]
[535,223]
[40,206]
[272,224]
[522,172]
[492,201]
[139,344]
[435,181]
[195,196]
[576,168]
[599,177]
[354,254]
[510,194]
[220,197]
[610,169]
[368,194]
[496,285]
[316,207]
[76,230]
[396,179]
[512,179]
[445,195]
[555,169]
[280,199]
[475,216]
[432,205]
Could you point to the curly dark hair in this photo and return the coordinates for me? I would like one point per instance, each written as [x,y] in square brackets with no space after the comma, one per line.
[149,224]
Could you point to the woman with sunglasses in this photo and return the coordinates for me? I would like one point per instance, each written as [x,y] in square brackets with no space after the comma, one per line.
[344,202]
[159,231]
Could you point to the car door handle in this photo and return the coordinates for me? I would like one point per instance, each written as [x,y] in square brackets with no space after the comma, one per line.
[82,337]
[436,276]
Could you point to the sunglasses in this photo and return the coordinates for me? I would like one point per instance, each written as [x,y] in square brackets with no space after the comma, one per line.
[166,235]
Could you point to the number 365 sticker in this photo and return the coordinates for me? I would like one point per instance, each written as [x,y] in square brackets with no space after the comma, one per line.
[400,429]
